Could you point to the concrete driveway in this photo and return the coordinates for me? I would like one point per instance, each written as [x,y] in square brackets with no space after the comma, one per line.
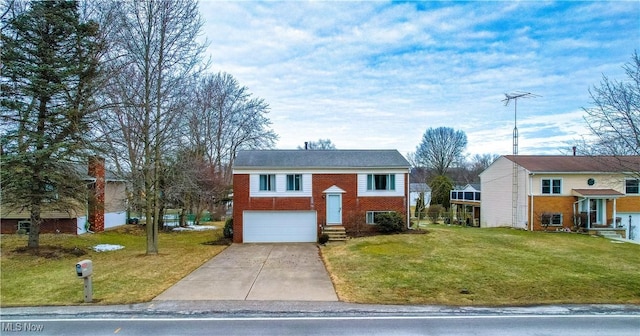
[279,272]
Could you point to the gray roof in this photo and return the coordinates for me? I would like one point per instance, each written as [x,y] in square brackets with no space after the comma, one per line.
[419,187]
[320,159]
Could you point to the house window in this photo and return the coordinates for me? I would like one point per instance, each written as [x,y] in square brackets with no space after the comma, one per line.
[25,226]
[381,182]
[552,219]
[632,186]
[294,182]
[552,186]
[268,182]
[372,215]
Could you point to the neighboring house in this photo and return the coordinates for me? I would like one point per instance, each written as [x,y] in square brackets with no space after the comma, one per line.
[291,195]
[465,204]
[596,194]
[105,207]
[415,189]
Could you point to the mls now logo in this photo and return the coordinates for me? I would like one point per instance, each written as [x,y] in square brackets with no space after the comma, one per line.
[21,326]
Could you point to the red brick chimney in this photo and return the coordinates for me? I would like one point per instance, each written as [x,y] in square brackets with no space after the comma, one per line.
[96,194]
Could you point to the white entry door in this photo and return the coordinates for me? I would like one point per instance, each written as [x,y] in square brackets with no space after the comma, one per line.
[334,209]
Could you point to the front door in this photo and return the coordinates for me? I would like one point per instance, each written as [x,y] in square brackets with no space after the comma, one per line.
[334,209]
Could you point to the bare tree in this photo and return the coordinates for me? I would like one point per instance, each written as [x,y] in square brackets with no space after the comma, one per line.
[614,117]
[223,118]
[154,54]
[440,148]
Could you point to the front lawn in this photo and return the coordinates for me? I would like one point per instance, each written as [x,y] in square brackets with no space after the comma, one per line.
[122,276]
[453,265]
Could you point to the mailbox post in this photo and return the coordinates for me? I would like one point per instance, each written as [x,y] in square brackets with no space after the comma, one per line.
[84,270]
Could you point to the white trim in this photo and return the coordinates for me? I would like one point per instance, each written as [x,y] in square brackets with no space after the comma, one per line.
[333,190]
[380,170]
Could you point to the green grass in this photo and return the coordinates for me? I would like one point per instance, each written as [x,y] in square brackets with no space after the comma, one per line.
[496,267]
[123,276]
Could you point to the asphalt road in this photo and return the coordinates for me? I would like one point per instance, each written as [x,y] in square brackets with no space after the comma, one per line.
[522,325]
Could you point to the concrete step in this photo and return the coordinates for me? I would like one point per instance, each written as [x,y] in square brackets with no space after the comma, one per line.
[335,233]
[609,234]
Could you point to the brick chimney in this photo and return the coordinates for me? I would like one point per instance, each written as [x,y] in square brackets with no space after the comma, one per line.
[96,194]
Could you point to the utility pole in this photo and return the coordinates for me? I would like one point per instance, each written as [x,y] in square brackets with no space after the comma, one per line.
[515,178]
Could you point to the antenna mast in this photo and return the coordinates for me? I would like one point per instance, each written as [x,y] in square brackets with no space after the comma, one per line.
[514,188]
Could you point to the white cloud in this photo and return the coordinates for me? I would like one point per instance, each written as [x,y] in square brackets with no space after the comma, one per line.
[377,74]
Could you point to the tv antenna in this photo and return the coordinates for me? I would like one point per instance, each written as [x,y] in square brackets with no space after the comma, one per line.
[515,178]
[515,96]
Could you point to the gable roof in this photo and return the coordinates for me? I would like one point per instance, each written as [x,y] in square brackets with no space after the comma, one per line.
[572,164]
[320,159]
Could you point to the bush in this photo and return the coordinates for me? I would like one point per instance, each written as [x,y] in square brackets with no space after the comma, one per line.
[324,238]
[434,211]
[389,222]
[228,228]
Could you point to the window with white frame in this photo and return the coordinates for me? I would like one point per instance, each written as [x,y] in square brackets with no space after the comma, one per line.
[551,186]
[632,186]
[371,216]
[294,182]
[268,182]
[552,219]
[381,182]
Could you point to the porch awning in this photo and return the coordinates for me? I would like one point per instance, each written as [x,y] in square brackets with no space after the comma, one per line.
[597,193]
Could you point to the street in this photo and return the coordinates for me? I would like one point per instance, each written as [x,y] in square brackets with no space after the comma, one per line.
[490,325]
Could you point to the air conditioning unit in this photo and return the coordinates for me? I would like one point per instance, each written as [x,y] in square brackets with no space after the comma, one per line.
[24,225]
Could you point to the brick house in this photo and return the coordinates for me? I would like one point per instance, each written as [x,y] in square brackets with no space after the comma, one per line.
[597,194]
[105,206]
[292,195]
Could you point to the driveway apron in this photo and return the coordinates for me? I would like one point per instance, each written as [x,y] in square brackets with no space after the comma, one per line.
[279,272]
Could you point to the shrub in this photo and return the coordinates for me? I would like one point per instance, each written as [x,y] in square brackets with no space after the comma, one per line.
[389,222]
[434,211]
[228,228]
[324,238]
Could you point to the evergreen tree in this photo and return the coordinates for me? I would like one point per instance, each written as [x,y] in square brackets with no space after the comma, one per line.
[49,74]
[441,187]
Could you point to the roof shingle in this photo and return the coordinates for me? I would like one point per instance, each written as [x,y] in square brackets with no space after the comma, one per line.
[568,164]
[320,159]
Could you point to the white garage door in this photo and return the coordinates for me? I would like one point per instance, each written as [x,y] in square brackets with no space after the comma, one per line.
[279,226]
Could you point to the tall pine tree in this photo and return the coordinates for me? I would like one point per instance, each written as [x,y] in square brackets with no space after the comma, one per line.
[50,69]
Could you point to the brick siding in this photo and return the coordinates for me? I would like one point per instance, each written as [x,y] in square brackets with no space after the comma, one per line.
[354,207]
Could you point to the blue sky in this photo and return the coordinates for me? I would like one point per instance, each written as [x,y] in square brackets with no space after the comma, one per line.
[377,74]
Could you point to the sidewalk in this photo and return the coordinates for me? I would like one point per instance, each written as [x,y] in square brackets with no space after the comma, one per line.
[199,308]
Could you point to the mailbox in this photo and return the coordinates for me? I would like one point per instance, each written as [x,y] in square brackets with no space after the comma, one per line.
[84,268]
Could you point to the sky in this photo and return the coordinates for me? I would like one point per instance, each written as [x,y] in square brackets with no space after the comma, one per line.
[378,74]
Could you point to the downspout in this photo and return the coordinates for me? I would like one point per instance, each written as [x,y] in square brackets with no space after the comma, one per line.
[408,199]
[531,202]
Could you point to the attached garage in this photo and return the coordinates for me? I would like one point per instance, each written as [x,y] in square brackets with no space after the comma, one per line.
[279,226]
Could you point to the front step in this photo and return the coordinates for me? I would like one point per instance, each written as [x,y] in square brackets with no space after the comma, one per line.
[609,234]
[335,232]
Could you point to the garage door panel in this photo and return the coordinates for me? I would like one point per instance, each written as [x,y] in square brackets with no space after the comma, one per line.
[279,226]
